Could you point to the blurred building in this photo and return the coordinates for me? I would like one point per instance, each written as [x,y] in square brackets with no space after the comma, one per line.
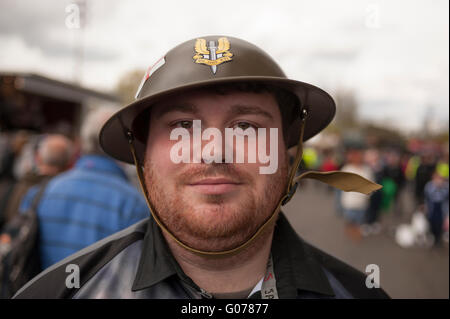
[37,103]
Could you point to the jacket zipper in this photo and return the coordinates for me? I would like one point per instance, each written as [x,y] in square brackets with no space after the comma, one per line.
[205,294]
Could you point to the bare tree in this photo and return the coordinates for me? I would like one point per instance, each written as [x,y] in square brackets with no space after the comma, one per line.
[128,85]
[346,110]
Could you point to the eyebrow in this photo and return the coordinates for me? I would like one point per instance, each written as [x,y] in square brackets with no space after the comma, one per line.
[237,109]
[241,109]
[185,108]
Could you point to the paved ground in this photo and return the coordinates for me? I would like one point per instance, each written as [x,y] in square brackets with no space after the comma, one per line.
[404,273]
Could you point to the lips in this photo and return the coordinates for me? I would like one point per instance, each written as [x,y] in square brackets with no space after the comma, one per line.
[214,186]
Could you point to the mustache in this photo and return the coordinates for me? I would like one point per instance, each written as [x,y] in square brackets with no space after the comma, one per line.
[203,171]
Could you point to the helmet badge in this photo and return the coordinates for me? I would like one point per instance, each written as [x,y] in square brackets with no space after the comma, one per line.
[212,54]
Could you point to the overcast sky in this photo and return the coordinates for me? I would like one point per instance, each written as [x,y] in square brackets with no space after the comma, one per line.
[393,54]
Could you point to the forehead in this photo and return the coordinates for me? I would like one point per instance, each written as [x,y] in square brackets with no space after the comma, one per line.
[204,101]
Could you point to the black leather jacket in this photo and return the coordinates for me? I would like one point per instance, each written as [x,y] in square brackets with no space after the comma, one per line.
[136,263]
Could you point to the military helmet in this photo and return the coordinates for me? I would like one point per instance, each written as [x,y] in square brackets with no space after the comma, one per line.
[213,60]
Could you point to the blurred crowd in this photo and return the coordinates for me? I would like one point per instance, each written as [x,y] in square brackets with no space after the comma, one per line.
[79,194]
[423,175]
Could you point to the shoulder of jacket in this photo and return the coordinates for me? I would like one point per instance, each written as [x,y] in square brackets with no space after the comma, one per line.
[51,283]
[353,280]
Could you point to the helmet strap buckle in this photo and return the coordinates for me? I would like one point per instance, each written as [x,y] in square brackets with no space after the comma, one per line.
[290,194]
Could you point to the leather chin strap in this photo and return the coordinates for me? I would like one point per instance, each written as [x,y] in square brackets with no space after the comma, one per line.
[341,180]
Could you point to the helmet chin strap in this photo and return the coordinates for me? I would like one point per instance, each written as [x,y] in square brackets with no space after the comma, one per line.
[341,180]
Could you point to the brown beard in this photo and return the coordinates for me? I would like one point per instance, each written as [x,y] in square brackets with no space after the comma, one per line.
[232,224]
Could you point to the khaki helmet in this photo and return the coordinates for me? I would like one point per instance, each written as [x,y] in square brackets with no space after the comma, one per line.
[213,60]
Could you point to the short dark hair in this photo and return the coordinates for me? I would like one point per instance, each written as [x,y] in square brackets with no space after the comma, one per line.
[288,104]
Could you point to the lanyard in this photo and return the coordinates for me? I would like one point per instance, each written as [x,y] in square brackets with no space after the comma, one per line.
[269,287]
[267,284]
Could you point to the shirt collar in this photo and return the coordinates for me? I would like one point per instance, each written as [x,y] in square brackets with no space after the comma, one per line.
[294,265]
[100,163]
[157,262]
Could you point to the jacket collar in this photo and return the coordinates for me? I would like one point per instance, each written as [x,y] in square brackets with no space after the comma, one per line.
[157,262]
[294,265]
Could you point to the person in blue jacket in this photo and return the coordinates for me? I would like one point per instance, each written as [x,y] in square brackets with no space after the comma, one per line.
[87,203]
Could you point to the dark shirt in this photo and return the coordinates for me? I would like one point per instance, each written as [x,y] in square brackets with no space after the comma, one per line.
[137,263]
[423,176]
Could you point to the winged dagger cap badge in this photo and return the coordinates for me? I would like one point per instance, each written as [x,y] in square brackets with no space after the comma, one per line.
[212,54]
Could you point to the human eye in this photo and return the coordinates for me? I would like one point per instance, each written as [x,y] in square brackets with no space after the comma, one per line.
[244,125]
[187,124]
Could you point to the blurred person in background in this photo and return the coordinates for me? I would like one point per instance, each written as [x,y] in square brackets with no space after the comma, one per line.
[393,181]
[11,146]
[423,175]
[355,205]
[411,168]
[25,162]
[53,155]
[87,203]
[310,161]
[372,225]
[404,161]
[436,204]
[442,167]
[329,163]
[310,158]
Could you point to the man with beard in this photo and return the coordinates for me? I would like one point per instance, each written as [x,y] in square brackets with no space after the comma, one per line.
[216,229]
